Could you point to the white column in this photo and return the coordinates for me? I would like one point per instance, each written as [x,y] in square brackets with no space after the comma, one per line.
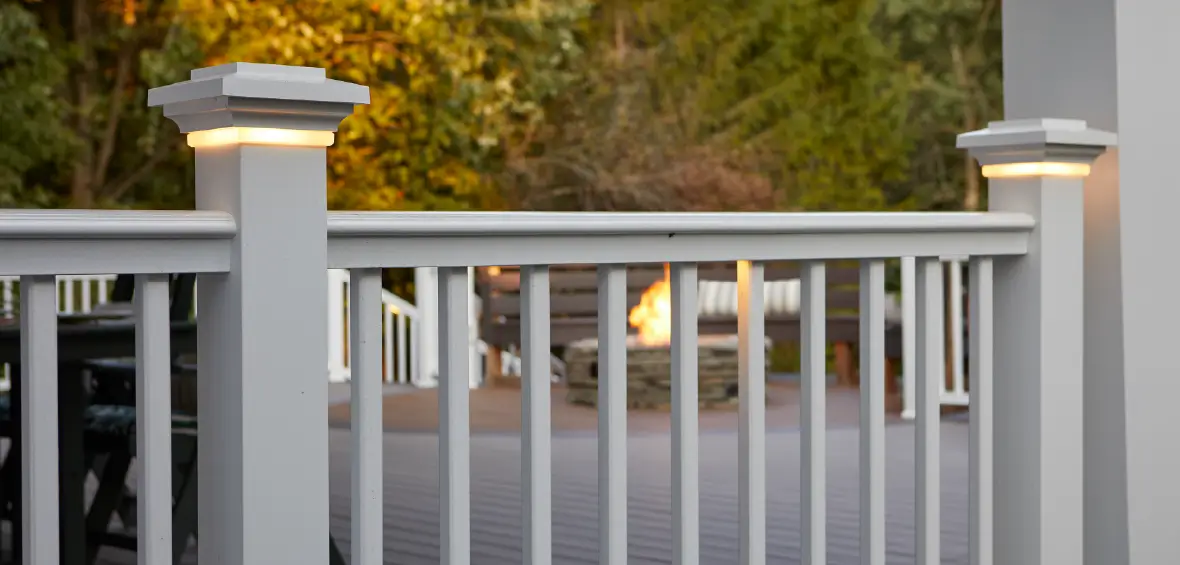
[1037,167]
[1060,60]
[260,133]
[1146,165]
[426,299]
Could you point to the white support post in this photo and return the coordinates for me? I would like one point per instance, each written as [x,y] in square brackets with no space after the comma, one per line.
[1132,391]
[1037,167]
[260,134]
[1076,59]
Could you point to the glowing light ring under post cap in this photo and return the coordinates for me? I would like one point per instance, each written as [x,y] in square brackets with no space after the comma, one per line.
[1035,169]
[260,136]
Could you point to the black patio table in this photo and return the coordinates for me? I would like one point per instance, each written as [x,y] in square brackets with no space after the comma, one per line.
[80,338]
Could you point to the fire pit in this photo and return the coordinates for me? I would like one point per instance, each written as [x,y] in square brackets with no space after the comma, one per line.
[649,359]
[649,372]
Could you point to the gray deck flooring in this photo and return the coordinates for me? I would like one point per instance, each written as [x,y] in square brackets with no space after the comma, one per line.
[412,516]
[411,503]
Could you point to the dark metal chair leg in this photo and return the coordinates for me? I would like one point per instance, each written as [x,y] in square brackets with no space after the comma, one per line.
[334,555]
[184,515]
[106,500]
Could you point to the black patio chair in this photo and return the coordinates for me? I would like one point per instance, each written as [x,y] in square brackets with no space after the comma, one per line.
[110,441]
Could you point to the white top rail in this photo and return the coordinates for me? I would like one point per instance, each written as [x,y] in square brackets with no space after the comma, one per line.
[416,239]
[664,223]
[115,224]
[94,242]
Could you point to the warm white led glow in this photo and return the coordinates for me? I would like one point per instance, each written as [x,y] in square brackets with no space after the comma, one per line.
[1013,170]
[260,136]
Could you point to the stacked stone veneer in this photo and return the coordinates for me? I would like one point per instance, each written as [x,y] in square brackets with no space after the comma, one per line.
[649,372]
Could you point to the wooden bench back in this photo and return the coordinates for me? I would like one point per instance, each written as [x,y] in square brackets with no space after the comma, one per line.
[574,297]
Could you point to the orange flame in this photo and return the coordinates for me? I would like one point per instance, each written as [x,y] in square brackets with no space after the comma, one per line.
[653,315]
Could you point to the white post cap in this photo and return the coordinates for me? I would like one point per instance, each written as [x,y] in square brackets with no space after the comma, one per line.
[1036,141]
[253,95]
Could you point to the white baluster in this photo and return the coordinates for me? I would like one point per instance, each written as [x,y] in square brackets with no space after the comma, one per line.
[958,380]
[752,412]
[872,412]
[685,398]
[908,349]
[981,291]
[535,417]
[365,331]
[336,361]
[402,330]
[813,418]
[454,426]
[39,441]
[931,359]
[612,414]
[87,305]
[68,302]
[153,419]
[387,317]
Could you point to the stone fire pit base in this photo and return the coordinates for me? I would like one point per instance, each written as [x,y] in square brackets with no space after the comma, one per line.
[649,373]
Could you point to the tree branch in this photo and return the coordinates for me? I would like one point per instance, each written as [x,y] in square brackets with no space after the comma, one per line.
[985,17]
[106,147]
[119,188]
[81,187]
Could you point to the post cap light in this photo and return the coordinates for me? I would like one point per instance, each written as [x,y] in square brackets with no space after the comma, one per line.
[1042,169]
[260,136]
[248,103]
[1036,148]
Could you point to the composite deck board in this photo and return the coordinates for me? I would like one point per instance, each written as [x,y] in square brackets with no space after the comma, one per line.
[412,514]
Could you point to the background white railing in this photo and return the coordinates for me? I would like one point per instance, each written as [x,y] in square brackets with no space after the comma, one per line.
[75,295]
[401,332]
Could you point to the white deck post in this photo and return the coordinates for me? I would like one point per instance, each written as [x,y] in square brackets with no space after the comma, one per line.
[1037,167]
[1146,169]
[260,133]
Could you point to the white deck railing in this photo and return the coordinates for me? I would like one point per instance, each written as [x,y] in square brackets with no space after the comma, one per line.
[264,241]
[365,242]
[37,246]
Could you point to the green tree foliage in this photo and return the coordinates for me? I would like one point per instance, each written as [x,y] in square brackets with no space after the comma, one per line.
[32,134]
[955,50]
[711,105]
[450,81]
[103,56]
[540,104]
[806,84]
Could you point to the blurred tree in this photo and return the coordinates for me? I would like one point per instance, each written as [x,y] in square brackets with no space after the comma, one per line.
[451,82]
[792,104]
[33,134]
[102,57]
[955,48]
